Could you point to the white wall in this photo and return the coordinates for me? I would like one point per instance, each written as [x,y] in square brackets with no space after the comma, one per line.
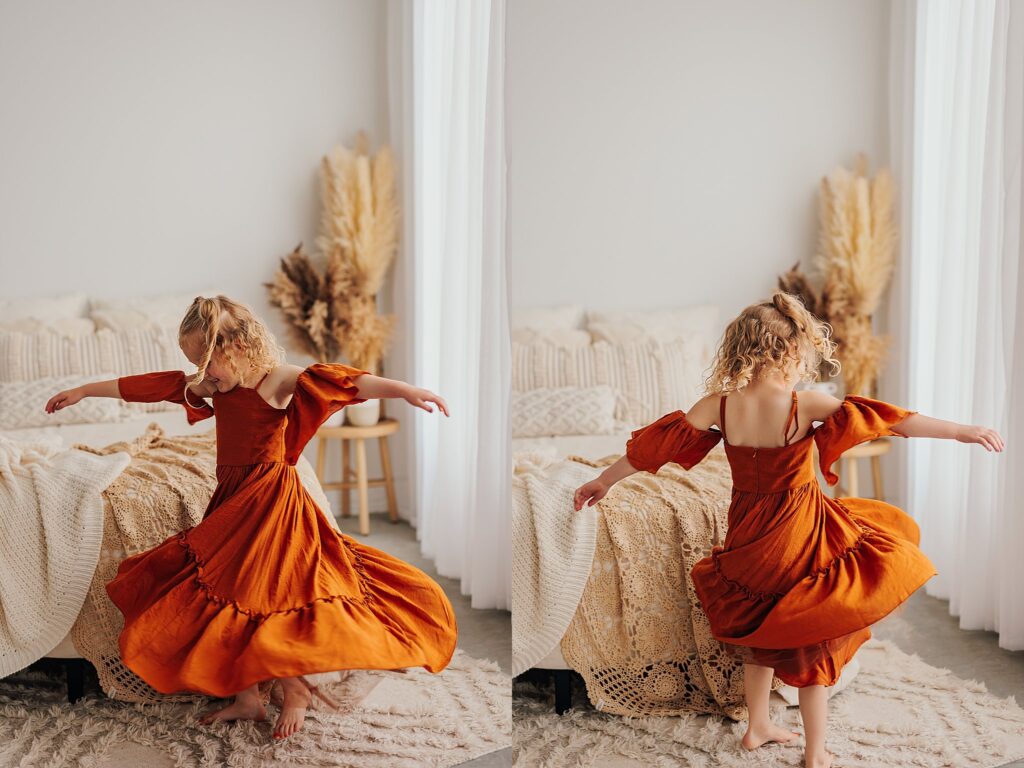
[154,147]
[667,153]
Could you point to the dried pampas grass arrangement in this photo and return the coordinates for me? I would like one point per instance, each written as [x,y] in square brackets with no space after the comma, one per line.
[856,257]
[335,313]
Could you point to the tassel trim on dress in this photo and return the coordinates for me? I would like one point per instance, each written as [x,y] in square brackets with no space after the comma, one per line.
[199,564]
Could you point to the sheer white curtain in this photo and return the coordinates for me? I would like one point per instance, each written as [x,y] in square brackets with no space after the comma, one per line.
[958,140]
[446,100]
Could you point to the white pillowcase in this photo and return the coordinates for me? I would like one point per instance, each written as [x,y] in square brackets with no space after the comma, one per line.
[33,356]
[697,325]
[566,317]
[44,308]
[22,403]
[165,311]
[549,412]
[650,378]
[563,337]
[62,326]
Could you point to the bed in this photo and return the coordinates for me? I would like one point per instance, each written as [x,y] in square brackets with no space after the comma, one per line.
[582,382]
[54,343]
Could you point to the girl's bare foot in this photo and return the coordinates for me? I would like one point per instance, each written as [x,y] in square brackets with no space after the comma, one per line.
[246,706]
[818,761]
[758,735]
[293,712]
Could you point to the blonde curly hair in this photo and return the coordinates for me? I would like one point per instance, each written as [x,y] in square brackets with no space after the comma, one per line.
[226,326]
[777,334]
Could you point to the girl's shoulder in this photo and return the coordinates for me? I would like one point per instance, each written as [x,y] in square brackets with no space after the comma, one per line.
[816,405]
[279,384]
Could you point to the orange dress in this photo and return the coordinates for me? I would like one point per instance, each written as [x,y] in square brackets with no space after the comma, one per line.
[800,576]
[264,586]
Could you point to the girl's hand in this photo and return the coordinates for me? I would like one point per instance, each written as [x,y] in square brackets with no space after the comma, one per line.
[593,491]
[64,399]
[420,397]
[989,438]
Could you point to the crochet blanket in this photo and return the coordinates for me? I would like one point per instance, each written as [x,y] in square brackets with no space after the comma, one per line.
[639,637]
[165,489]
[51,523]
[552,548]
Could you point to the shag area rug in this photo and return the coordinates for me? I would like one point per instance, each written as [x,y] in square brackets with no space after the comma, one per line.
[409,719]
[898,711]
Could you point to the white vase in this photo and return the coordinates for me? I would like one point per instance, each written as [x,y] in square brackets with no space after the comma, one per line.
[364,414]
[336,419]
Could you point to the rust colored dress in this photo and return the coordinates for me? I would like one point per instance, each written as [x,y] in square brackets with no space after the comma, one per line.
[800,576]
[264,586]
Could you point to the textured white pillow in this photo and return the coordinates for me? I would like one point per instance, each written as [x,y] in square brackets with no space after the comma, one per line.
[164,311]
[567,317]
[649,377]
[698,325]
[22,403]
[566,337]
[32,356]
[44,308]
[65,326]
[555,411]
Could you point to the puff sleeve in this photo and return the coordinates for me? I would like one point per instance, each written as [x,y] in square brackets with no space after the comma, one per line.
[670,438]
[857,420]
[320,390]
[163,386]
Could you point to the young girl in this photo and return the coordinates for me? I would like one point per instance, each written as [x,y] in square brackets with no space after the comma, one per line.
[801,576]
[264,587]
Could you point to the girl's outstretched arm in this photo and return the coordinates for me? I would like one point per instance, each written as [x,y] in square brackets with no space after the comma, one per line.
[371,387]
[688,452]
[820,406]
[919,425]
[64,398]
[595,490]
[106,388]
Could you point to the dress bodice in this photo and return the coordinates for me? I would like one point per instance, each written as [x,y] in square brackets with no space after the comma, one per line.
[770,469]
[249,429]
[774,469]
[767,469]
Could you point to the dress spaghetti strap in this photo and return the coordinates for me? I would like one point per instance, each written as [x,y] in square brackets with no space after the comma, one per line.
[792,418]
[721,417]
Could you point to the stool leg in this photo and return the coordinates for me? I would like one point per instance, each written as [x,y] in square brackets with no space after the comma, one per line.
[850,466]
[389,481]
[876,472]
[364,498]
[346,495]
[321,457]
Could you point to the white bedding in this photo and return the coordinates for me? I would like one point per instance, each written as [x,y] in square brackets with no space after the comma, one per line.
[587,446]
[102,434]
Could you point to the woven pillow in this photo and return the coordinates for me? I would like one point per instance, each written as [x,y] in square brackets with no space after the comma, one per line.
[22,403]
[165,310]
[33,356]
[44,308]
[563,411]
[65,326]
[698,325]
[649,377]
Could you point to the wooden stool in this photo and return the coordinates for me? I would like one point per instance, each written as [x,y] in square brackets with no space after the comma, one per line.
[346,432]
[874,450]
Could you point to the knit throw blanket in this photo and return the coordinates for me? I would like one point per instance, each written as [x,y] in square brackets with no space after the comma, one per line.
[51,521]
[552,548]
[165,489]
[639,637]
